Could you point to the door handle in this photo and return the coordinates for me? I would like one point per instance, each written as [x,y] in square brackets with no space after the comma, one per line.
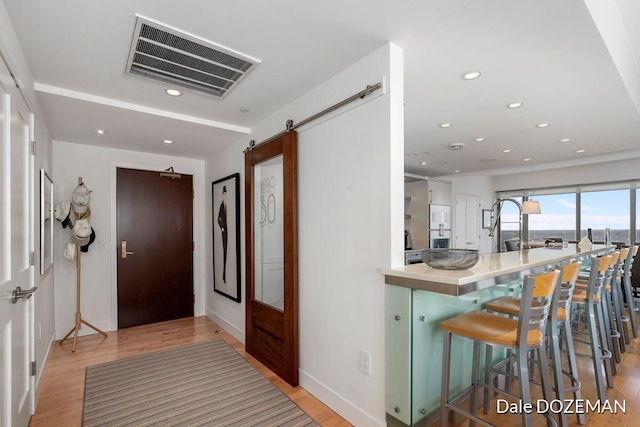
[18,293]
[123,251]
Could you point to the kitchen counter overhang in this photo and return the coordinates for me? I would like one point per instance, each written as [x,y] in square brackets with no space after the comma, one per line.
[491,269]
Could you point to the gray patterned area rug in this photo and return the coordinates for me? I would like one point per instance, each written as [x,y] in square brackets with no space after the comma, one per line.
[205,384]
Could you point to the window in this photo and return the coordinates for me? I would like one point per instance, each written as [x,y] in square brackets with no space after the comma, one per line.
[606,209]
[558,218]
[568,212]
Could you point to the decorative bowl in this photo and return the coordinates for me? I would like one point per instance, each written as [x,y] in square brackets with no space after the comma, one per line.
[450,259]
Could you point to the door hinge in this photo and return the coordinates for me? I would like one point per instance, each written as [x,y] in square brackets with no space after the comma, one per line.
[33,147]
[194,298]
[33,258]
[193,246]
[193,193]
[34,368]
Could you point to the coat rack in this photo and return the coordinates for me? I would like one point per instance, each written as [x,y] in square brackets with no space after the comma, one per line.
[79,319]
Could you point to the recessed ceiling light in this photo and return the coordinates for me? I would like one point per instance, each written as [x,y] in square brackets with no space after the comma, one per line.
[173,92]
[580,151]
[543,125]
[471,75]
[506,151]
[446,125]
[245,109]
[167,141]
[455,146]
[456,170]
[443,163]
[412,155]
[423,163]
[515,105]
[565,140]
[100,131]
[479,139]
[526,160]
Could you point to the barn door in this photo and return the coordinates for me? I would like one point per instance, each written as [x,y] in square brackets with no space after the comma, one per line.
[272,255]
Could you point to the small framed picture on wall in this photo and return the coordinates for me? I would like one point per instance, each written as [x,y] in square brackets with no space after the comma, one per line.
[226,236]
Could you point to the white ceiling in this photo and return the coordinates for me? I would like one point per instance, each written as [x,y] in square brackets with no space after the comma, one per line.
[548,54]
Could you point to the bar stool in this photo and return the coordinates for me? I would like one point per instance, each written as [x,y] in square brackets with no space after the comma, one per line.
[626,279]
[558,330]
[617,298]
[522,335]
[611,333]
[590,301]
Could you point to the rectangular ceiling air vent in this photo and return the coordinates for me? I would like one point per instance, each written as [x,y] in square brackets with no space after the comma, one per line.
[162,53]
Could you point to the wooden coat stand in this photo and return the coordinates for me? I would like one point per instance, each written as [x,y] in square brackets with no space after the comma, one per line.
[79,319]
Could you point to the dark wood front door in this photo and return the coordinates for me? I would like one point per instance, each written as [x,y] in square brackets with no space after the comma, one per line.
[272,255]
[155,219]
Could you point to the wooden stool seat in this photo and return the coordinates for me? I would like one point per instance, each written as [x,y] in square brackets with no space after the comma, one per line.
[581,296]
[489,328]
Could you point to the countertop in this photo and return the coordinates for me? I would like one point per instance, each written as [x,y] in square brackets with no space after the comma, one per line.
[490,270]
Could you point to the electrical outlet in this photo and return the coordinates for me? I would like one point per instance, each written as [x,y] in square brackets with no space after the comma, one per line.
[365,362]
[39,331]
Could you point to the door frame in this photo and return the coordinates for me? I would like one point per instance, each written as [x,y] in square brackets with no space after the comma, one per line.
[199,229]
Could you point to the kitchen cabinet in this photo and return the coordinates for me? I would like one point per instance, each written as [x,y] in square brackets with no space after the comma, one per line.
[439,192]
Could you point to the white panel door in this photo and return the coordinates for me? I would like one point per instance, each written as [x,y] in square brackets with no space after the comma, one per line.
[467,225]
[16,244]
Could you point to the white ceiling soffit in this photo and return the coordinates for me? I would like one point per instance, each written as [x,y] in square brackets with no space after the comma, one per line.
[169,55]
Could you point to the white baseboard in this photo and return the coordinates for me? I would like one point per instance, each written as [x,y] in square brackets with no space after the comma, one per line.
[339,404]
[42,369]
[224,324]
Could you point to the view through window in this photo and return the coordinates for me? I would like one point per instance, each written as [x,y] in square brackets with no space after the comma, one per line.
[569,214]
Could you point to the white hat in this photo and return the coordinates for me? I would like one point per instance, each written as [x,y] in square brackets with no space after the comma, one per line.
[62,214]
[80,241]
[82,228]
[80,198]
[69,252]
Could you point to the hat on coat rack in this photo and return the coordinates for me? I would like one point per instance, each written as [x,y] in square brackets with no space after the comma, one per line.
[69,252]
[62,212]
[80,198]
[92,237]
[82,228]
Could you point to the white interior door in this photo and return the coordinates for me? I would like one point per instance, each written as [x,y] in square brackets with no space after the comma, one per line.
[16,245]
[467,222]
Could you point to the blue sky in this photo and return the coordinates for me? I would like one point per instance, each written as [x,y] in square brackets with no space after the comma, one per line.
[600,210]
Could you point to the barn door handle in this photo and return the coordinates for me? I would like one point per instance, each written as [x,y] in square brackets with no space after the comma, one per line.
[124,252]
[19,293]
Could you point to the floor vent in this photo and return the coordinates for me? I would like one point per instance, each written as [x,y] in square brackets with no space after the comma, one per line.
[168,55]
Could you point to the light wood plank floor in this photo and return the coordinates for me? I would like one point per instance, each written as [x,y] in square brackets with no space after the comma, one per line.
[61,394]
[626,391]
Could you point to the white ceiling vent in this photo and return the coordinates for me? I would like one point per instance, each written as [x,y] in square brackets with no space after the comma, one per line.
[163,53]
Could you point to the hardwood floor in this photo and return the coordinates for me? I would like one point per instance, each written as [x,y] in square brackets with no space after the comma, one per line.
[61,394]
[626,391]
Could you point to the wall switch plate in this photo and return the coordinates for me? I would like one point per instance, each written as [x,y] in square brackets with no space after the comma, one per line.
[365,362]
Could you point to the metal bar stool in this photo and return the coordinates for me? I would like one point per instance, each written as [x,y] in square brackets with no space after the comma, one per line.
[617,299]
[609,325]
[626,279]
[522,335]
[558,330]
[590,301]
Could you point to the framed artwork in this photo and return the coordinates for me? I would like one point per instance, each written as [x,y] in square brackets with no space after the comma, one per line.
[226,236]
[486,218]
[46,222]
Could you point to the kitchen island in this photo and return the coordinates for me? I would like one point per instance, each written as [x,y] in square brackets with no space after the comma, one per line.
[419,298]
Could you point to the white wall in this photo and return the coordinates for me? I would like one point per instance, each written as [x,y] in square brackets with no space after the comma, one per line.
[97,167]
[350,210]
[620,170]
[44,297]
